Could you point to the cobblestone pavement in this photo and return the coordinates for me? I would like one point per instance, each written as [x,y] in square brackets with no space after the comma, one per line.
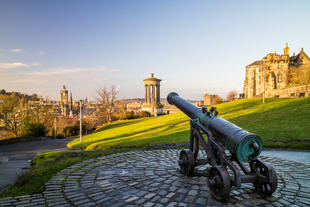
[152,178]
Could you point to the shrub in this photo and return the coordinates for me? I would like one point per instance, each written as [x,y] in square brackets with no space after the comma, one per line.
[71,131]
[144,114]
[36,130]
[131,115]
[60,136]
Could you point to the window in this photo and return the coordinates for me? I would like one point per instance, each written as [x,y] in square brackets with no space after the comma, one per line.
[279,78]
[301,94]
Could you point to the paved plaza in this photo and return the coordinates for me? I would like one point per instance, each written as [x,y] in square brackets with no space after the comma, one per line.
[152,178]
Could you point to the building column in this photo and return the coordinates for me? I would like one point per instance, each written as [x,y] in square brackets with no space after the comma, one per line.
[148,93]
[158,93]
[145,93]
[153,93]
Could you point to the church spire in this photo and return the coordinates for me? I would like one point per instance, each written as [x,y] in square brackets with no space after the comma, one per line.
[71,101]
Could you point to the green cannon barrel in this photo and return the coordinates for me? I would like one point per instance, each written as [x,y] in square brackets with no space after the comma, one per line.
[244,145]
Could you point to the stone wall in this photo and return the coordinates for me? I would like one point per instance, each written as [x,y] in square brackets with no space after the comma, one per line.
[291,92]
[278,75]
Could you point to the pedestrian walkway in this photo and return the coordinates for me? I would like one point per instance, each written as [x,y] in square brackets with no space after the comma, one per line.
[152,178]
[15,158]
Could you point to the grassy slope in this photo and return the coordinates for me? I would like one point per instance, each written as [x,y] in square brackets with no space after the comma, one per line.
[282,123]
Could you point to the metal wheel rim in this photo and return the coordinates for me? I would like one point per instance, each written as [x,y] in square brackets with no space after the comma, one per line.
[186,162]
[219,183]
[264,187]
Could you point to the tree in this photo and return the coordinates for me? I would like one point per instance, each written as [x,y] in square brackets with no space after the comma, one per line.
[107,99]
[11,112]
[217,100]
[42,114]
[232,95]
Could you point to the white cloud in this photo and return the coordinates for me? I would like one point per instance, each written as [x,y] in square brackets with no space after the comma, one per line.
[35,64]
[63,74]
[17,65]
[16,50]
[12,65]
[79,80]
[68,71]
[40,53]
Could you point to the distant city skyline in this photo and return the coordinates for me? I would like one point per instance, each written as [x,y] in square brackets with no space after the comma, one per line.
[195,47]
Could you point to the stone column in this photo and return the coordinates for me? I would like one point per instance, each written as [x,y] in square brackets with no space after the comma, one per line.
[145,94]
[153,93]
[158,93]
[148,94]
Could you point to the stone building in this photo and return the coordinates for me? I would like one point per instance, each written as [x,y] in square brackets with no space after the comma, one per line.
[66,105]
[279,75]
[209,99]
[152,96]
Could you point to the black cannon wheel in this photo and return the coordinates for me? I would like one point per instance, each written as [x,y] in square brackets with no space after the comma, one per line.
[266,188]
[219,183]
[186,162]
[194,145]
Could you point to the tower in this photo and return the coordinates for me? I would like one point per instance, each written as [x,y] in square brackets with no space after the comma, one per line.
[286,50]
[64,101]
[64,95]
[152,96]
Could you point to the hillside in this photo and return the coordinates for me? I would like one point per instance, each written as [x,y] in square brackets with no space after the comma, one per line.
[282,123]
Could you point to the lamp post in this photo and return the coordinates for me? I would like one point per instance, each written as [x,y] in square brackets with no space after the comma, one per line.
[55,127]
[80,120]
[263,81]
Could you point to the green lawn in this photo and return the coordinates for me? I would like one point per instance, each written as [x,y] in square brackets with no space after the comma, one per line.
[282,123]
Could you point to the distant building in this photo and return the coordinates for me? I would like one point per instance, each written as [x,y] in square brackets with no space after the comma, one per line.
[152,96]
[285,75]
[170,109]
[134,106]
[209,99]
[65,105]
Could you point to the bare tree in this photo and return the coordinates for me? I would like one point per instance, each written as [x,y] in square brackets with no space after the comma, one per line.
[232,95]
[11,112]
[107,99]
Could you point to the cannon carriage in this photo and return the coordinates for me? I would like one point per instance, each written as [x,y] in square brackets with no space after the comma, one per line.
[214,135]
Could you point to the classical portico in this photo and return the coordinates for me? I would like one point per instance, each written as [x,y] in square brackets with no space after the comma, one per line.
[152,96]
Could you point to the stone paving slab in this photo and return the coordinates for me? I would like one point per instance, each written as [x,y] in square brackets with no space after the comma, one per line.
[152,178]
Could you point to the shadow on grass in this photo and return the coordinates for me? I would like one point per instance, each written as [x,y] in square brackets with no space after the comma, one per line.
[173,138]
[126,136]
[112,125]
[285,126]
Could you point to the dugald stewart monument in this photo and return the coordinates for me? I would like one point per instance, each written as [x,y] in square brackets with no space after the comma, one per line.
[279,75]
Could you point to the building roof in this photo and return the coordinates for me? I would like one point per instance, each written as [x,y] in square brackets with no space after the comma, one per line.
[152,78]
[257,62]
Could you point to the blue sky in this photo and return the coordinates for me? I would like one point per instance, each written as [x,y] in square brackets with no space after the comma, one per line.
[195,47]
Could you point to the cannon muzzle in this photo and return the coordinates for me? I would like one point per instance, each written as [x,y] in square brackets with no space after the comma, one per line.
[245,146]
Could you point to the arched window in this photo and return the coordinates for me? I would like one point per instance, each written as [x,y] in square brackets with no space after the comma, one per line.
[274,80]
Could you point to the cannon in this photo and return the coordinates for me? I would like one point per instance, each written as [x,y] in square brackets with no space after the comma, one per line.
[226,146]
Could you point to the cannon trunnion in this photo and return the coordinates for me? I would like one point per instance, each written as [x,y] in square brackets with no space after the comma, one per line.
[242,145]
